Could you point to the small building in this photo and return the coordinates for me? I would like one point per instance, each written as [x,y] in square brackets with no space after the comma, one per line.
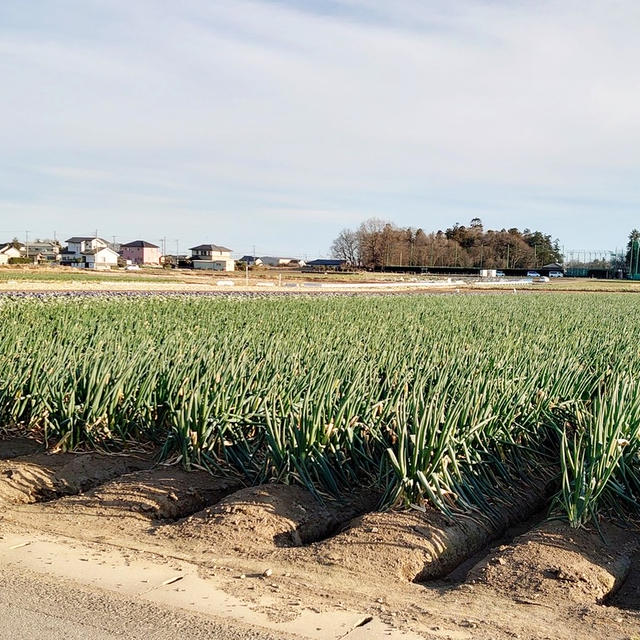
[89,252]
[43,250]
[79,244]
[141,252]
[552,266]
[10,250]
[100,258]
[252,261]
[277,261]
[212,257]
[322,264]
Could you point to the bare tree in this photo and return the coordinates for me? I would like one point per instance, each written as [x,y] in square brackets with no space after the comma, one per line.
[347,247]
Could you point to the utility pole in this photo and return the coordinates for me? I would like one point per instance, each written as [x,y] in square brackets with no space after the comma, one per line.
[26,243]
[508,247]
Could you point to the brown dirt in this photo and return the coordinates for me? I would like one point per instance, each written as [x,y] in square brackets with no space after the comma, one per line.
[628,596]
[555,562]
[423,546]
[126,511]
[18,447]
[40,477]
[161,493]
[258,519]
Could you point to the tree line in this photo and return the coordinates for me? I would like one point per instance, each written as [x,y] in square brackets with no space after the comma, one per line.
[378,243]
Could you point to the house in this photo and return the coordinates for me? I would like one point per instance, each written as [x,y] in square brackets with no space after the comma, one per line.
[79,244]
[252,261]
[141,252]
[43,250]
[323,264]
[177,261]
[212,257]
[100,258]
[89,252]
[9,250]
[276,261]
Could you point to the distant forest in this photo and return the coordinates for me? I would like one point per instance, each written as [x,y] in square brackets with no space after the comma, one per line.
[378,243]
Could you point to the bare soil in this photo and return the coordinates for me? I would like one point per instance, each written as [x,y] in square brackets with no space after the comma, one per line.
[257,520]
[286,555]
[553,562]
[14,447]
[42,476]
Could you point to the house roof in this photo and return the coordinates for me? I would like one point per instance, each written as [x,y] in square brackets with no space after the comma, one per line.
[277,258]
[249,258]
[85,239]
[209,247]
[553,265]
[321,262]
[140,243]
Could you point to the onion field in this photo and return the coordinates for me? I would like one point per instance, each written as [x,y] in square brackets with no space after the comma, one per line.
[444,400]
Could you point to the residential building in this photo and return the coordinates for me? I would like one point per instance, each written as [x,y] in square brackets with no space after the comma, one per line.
[43,250]
[89,252]
[100,258]
[277,261]
[212,257]
[252,261]
[80,244]
[9,250]
[141,252]
[322,264]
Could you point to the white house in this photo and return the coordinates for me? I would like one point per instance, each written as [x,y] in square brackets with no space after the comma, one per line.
[8,251]
[252,261]
[277,261]
[212,257]
[90,253]
[100,258]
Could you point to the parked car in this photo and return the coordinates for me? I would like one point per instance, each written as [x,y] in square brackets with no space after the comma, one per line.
[556,274]
[533,274]
[499,274]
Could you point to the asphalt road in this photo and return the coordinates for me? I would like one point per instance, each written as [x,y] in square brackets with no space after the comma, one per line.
[34,606]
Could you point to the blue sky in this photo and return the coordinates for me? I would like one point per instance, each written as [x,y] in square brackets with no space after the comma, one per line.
[276,124]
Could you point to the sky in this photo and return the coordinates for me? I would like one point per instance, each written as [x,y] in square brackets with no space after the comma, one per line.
[275,124]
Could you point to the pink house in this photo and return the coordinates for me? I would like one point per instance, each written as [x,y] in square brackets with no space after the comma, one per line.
[141,252]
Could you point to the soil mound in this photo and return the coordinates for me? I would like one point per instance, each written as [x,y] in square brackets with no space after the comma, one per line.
[424,545]
[403,545]
[18,447]
[261,518]
[161,493]
[41,477]
[628,597]
[554,562]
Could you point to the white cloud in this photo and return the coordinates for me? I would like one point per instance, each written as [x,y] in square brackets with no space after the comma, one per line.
[246,105]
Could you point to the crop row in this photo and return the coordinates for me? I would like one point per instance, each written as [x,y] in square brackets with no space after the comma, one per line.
[448,400]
